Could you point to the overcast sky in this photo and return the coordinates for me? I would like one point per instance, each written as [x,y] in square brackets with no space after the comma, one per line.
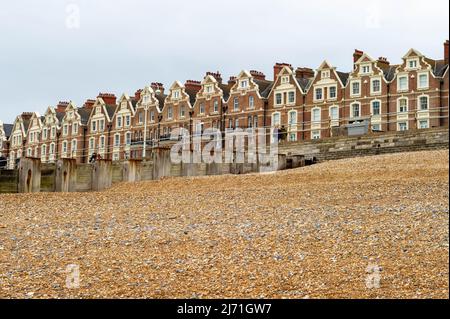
[52,50]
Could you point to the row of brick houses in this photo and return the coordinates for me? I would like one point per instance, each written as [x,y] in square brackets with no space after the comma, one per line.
[303,103]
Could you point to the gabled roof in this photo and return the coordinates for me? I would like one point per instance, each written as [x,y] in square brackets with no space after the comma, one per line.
[265,94]
[60,116]
[111,109]
[343,76]
[8,129]
[84,114]
[439,68]
[161,99]
[304,83]
[389,73]
[192,94]
[264,87]
[226,90]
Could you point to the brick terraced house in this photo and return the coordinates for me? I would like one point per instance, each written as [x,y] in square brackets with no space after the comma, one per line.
[301,103]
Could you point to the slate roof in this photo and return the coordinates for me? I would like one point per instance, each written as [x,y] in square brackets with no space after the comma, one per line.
[226,91]
[264,87]
[439,68]
[343,76]
[8,129]
[111,109]
[304,83]
[389,73]
[60,116]
[161,98]
[192,95]
[85,113]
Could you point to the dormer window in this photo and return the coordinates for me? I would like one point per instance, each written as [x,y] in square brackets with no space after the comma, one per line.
[412,63]
[209,89]
[124,105]
[146,99]
[176,94]
[244,84]
[98,110]
[285,79]
[326,74]
[366,69]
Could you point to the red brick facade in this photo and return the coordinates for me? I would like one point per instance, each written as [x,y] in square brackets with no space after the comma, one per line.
[301,103]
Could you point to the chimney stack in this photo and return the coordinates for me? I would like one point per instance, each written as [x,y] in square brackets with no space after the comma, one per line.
[192,85]
[232,81]
[357,55]
[89,104]
[383,62]
[109,98]
[156,86]
[61,107]
[258,75]
[446,52]
[278,67]
[216,75]
[304,73]
[137,95]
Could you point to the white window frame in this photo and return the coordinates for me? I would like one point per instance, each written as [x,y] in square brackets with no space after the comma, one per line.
[399,125]
[419,124]
[426,74]
[273,119]
[335,92]
[372,81]
[399,105]
[295,118]
[316,90]
[315,135]
[408,63]
[371,107]
[399,88]
[419,104]
[235,104]
[352,91]
[352,111]
[313,118]
[363,69]
[289,101]
[334,107]
[251,102]
[280,102]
